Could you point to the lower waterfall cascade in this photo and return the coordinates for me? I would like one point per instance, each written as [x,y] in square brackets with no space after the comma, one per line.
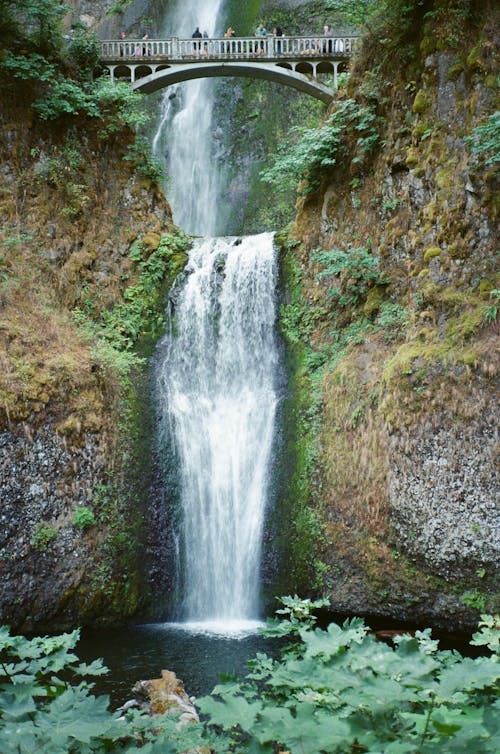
[217,398]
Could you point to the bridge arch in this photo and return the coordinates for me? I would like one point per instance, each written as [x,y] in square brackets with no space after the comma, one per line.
[150,78]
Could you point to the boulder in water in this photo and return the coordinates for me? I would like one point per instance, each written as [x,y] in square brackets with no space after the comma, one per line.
[167,695]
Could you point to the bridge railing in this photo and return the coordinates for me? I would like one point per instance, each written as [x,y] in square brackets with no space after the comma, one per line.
[235,48]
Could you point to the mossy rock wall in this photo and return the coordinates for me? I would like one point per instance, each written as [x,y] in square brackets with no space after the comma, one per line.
[405,474]
[74,431]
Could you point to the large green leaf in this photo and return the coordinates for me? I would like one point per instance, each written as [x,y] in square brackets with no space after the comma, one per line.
[76,716]
[14,705]
[469,675]
[232,710]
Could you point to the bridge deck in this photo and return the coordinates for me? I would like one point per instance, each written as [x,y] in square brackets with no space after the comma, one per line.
[237,48]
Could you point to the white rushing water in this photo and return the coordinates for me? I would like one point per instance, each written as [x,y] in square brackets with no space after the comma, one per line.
[184,135]
[217,390]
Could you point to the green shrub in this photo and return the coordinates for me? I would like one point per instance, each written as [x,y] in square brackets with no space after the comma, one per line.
[354,13]
[83,518]
[317,149]
[43,536]
[139,153]
[356,271]
[485,139]
[35,21]
[83,50]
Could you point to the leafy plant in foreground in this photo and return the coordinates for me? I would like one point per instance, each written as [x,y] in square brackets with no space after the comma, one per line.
[333,691]
[46,706]
[340,690]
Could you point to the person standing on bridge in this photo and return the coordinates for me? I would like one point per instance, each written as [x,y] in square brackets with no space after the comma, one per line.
[327,43]
[278,32]
[261,32]
[123,37]
[228,34]
[196,35]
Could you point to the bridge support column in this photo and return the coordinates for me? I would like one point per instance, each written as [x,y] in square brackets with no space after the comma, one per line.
[335,76]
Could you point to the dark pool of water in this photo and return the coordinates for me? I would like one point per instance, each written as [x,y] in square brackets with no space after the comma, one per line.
[199,655]
[198,658]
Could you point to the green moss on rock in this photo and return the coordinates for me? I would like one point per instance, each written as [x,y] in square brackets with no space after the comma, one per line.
[485,288]
[422,102]
[431,253]
[455,71]
[475,60]
[374,300]
[419,130]
[411,158]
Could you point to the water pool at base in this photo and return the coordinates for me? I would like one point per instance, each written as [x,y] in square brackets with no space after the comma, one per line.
[197,654]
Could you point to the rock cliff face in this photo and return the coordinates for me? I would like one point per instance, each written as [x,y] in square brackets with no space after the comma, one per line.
[405,422]
[74,519]
[108,18]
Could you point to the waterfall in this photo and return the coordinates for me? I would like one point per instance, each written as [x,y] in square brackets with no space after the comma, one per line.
[184,134]
[218,397]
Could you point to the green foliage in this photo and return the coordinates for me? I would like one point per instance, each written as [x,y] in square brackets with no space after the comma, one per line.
[491,312]
[66,97]
[355,270]
[118,7]
[59,169]
[28,66]
[333,691]
[119,106]
[61,73]
[488,634]
[485,139]
[43,536]
[475,599]
[298,614]
[83,518]
[116,331]
[354,13]
[450,22]
[393,318]
[46,706]
[318,149]
[82,51]
[35,21]
[139,153]
[339,690]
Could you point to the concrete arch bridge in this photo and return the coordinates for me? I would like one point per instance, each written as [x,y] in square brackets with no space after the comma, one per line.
[152,64]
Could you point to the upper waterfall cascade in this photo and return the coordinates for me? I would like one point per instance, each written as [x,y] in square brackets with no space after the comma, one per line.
[218,397]
[183,136]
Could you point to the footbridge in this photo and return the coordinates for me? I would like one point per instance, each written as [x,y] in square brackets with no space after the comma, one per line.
[299,62]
